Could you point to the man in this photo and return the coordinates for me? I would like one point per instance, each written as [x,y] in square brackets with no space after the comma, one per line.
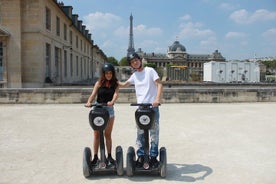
[148,89]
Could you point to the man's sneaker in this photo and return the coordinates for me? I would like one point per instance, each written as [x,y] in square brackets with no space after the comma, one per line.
[140,161]
[95,160]
[153,162]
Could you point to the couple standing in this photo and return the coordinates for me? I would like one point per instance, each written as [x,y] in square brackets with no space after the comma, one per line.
[148,89]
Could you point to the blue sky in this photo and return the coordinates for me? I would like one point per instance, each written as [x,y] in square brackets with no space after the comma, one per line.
[239,29]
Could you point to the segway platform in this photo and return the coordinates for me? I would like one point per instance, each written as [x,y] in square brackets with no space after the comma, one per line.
[144,117]
[98,119]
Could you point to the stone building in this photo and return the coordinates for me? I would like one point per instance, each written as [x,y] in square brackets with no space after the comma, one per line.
[177,64]
[43,43]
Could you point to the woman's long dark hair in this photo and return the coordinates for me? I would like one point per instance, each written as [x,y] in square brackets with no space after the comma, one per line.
[113,81]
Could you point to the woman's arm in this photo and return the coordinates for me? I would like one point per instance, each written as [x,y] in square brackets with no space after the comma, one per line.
[93,95]
[115,97]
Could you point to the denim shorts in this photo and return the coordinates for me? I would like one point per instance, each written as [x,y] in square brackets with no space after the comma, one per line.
[110,110]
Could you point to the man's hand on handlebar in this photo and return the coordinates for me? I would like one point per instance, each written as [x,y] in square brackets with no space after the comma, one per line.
[155,104]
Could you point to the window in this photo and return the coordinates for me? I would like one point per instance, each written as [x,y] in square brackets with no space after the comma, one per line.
[77,66]
[58,26]
[71,64]
[57,61]
[47,62]
[77,41]
[65,63]
[87,67]
[65,31]
[48,18]
[1,61]
[81,67]
[71,37]
[84,67]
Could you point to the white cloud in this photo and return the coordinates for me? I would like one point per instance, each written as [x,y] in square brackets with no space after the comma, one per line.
[244,17]
[240,16]
[231,35]
[244,43]
[227,6]
[263,15]
[270,35]
[121,31]
[209,42]
[185,17]
[99,20]
[107,44]
[145,37]
[148,45]
[150,42]
[145,31]
[190,29]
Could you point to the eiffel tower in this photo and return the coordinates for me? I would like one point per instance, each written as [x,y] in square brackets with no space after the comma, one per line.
[130,49]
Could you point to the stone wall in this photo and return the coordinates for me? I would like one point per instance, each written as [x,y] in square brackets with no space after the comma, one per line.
[192,94]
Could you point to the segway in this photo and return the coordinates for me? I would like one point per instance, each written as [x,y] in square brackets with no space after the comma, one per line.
[98,119]
[144,116]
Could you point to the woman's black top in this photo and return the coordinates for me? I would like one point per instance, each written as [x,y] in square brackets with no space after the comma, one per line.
[105,94]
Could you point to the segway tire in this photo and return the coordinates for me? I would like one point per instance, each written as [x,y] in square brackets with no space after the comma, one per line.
[86,162]
[163,162]
[119,161]
[130,161]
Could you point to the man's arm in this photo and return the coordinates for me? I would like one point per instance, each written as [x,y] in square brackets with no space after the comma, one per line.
[157,100]
[123,84]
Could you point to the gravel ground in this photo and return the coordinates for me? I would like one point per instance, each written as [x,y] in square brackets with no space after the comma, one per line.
[206,143]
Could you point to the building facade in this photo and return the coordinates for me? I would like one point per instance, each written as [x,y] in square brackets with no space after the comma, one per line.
[179,65]
[232,72]
[43,43]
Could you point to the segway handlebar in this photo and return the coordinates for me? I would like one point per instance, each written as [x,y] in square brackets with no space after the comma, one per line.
[142,104]
[97,104]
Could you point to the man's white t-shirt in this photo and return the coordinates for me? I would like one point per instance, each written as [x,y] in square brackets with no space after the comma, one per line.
[144,82]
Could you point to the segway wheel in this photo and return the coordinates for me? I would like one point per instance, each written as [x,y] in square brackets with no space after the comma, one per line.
[163,162]
[130,161]
[86,162]
[119,161]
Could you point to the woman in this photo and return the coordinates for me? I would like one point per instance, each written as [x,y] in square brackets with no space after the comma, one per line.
[106,90]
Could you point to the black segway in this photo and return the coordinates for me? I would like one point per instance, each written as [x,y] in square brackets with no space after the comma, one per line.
[144,116]
[98,119]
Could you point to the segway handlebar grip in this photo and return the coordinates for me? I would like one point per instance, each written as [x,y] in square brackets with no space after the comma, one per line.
[97,104]
[142,104]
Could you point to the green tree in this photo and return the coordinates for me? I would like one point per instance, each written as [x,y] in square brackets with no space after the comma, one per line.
[123,62]
[113,61]
[153,65]
[270,65]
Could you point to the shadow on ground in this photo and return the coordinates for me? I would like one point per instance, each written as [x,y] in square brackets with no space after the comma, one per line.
[179,172]
[175,172]
[187,172]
